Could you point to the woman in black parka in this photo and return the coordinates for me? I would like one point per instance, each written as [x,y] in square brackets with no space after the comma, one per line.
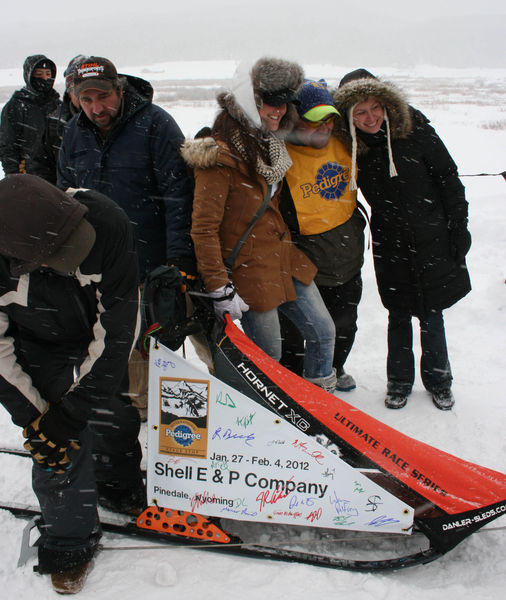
[418,225]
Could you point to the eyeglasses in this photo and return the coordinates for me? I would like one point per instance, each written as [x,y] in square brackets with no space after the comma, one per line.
[315,124]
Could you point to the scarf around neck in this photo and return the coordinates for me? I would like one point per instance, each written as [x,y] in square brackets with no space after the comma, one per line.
[279,159]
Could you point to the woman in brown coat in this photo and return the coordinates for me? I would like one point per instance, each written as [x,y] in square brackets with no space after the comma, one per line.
[237,169]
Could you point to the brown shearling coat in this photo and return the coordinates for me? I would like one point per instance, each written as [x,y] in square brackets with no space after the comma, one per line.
[225,201]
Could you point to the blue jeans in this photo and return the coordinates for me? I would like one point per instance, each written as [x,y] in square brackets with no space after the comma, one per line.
[434,368]
[311,317]
[342,303]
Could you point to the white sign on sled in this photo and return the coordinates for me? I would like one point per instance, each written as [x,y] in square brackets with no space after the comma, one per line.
[214,451]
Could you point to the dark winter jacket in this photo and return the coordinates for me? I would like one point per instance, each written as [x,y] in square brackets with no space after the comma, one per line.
[56,122]
[23,124]
[138,166]
[88,318]
[410,213]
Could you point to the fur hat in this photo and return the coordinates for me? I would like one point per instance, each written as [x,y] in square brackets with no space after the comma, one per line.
[276,81]
[268,79]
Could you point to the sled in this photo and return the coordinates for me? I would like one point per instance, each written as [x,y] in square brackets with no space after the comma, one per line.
[261,459]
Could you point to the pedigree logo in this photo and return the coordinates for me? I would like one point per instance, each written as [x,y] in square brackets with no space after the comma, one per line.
[90,70]
[330,182]
[184,404]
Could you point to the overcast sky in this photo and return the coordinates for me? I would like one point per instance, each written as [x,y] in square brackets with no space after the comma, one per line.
[455,33]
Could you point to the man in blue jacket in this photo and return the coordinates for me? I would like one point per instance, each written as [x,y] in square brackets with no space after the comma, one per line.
[126,147]
[123,145]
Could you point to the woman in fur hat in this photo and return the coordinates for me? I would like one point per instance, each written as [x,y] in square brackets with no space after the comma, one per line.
[418,225]
[238,169]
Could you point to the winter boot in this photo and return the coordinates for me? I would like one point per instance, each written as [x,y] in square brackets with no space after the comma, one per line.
[345,383]
[71,581]
[396,400]
[443,399]
[128,501]
[327,383]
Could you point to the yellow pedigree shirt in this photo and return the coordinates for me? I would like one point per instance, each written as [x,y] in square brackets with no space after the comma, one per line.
[319,185]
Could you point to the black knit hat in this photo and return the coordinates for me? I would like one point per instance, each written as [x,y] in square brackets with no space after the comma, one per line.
[40,224]
[356,74]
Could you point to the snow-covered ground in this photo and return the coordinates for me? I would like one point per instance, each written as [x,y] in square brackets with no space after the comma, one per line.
[468,110]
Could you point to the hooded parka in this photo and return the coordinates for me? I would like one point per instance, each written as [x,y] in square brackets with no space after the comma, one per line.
[23,124]
[410,213]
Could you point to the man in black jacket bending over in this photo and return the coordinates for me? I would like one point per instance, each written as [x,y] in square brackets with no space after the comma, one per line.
[68,320]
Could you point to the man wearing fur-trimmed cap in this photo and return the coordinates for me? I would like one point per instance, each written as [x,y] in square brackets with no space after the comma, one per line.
[326,224]
[68,321]
[23,122]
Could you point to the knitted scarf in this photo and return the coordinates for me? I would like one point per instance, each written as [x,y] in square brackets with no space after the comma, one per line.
[279,158]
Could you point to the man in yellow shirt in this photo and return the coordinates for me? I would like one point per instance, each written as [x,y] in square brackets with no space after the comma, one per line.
[321,210]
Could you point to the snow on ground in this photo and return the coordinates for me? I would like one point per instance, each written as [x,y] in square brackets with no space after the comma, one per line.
[467,109]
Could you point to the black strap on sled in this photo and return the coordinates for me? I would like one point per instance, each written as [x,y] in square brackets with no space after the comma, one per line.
[164,309]
[230,260]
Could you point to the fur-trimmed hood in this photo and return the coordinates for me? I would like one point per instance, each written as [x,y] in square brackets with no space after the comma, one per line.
[251,82]
[206,153]
[203,152]
[356,87]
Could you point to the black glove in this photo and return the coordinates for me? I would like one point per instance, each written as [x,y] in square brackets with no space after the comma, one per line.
[187,267]
[460,239]
[49,437]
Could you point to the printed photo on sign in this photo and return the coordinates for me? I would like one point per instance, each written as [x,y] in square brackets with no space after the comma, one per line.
[183,424]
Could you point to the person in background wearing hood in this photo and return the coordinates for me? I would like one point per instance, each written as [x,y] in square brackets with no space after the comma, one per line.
[239,168]
[68,320]
[123,145]
[418,225]
[68,108]
[325,222]
[23,121]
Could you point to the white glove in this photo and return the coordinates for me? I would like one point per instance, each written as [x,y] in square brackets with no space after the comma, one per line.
[225,299]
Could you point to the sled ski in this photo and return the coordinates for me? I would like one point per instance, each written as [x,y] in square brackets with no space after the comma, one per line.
[287,550]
